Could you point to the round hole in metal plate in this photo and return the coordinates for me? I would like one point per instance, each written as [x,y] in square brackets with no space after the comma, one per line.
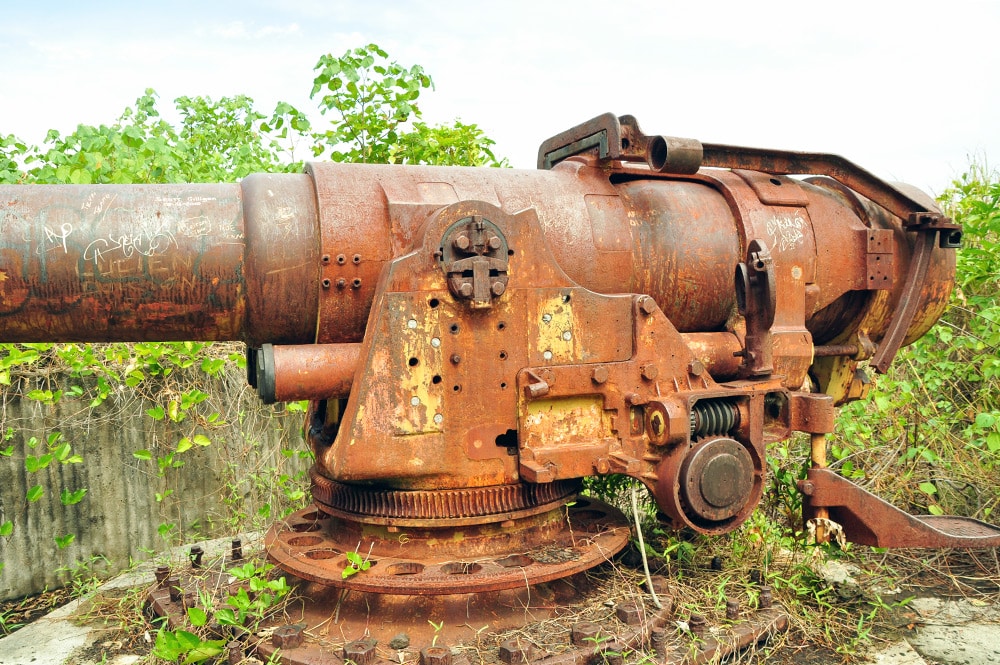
[303,527]
[405,568]
[580,503]
[305,541]
[313,515]
[460,568]
[515,561]
[323,554]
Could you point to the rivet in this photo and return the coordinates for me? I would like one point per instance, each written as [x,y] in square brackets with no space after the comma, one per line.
[411,324]
[341,283]
[455,359]
[415,401]
[567,336]
[435,342]
[438,419]
[546,318]
[547,355]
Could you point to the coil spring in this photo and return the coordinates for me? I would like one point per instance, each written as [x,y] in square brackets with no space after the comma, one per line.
[714,417]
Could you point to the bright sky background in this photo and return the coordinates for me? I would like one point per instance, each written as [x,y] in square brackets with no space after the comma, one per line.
[909,90]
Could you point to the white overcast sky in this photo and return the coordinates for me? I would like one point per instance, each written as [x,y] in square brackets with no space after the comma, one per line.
[909,90]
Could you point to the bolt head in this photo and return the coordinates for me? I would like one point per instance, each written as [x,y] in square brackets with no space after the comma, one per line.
[515,652]
[600,375]
[436,655]
[629,614]
[696,367]
[494,242]
[287,637]
[585,632]
[361,652]
[465,290]
[649,372]
[461,242]
[498,288]
[647,305]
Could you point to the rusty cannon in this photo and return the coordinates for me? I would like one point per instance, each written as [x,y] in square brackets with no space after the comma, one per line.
[474,342]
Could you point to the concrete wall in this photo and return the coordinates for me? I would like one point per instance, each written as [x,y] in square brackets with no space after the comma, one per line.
[219,490]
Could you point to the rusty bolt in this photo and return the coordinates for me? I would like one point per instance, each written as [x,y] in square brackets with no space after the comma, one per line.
[658,640]
[649,372]
[696,367]
[661,585]
[585,632]
[806,487]
[234,653]
[602,466]
[716,563]
[732,609]
[697,624]
[633,398]
[513,651]
[629,614]
[360,652]
[647,305]
[755,576]
[498,288]
[436,655]
[341,283]
[600,375]
[174,584]
[765,598]
[190,600]
[461,242]
[196,554]
[237,549]
[288,636]
[161,574]
[455,359]
[494,242]
[465,290]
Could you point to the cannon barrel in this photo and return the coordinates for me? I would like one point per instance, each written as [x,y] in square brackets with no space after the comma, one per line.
[295,259]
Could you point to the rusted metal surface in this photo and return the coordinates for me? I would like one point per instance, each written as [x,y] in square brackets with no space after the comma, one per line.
[526,548]
[287,373]
[869,520]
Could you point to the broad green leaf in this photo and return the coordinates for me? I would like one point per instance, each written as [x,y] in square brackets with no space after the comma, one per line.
[35,493]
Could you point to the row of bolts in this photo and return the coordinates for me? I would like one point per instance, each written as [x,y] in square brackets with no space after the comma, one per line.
[362,652]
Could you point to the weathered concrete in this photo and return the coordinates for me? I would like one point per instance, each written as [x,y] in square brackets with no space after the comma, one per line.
[117,520]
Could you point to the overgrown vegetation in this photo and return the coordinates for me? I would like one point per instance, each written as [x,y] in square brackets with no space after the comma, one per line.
[928,439]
